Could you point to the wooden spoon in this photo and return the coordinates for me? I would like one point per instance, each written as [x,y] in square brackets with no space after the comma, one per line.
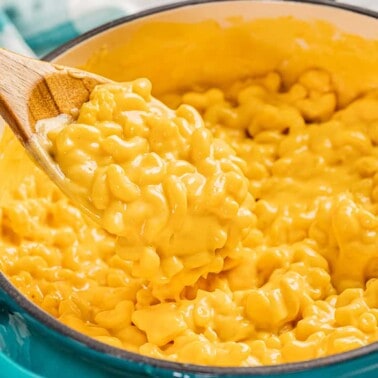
[31,90]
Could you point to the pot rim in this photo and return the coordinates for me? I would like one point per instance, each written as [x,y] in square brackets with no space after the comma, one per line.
[148,12]
[141,361]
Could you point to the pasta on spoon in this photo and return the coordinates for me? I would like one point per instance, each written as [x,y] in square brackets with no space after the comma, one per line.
[176,197]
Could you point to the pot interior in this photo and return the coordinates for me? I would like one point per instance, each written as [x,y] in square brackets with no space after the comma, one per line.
[171,47]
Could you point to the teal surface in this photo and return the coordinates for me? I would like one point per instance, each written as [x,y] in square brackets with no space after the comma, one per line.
[10,369]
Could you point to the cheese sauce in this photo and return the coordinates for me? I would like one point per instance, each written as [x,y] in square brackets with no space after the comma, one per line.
[240,229]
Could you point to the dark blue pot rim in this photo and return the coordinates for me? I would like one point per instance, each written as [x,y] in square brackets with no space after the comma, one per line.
[119,354]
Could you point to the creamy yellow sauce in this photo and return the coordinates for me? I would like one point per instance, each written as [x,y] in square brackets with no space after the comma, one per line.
[241,227]
[176,198]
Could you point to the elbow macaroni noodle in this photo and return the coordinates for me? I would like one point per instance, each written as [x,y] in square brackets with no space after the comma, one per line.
[240,229]
[175,197]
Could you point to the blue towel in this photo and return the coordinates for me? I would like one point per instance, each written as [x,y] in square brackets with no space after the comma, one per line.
[35,27]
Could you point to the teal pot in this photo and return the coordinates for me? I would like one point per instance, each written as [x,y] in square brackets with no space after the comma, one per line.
[35,344]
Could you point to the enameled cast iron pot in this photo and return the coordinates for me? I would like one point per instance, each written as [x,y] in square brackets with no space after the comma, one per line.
[35,344]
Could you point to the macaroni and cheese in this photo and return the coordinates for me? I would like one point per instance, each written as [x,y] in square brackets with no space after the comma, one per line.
[175,196]
[240,229]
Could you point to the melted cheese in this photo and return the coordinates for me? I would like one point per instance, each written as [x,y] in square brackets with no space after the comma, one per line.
[242,227]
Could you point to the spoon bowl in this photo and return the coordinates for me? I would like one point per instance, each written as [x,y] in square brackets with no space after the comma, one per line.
[32,90]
